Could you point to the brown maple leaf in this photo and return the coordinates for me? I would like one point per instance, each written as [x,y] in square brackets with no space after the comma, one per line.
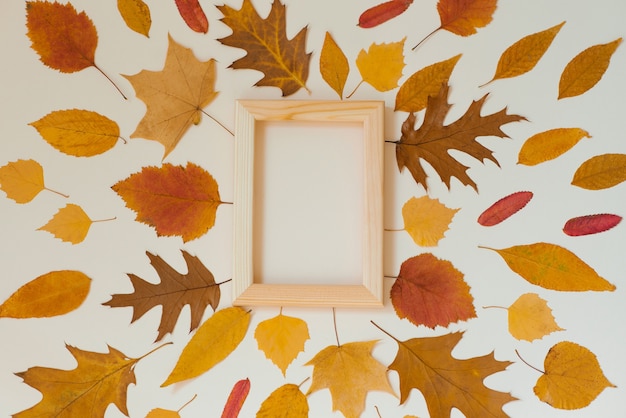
[197,289]
[432,140]
[284,62]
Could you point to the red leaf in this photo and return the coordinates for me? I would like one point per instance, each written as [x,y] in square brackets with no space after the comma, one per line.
[591,224]
[193,15]
[504,208]
[236,399]
[383,12]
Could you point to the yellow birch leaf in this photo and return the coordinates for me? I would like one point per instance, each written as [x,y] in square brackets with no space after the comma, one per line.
[282,338]
[287,401]
[414,93]
[549,145]
[334,65]
[136,15]
[70,224]
[22,180]
[52,294]
[600,172]
[586,69]
[572,378]
[426,220]
[530,318]
[553,267]
[162,413]
[381,66]
[213,341]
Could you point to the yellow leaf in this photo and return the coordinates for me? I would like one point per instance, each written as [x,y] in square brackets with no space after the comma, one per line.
[287,401]
[349,371]
[213,341]
[282,338]
[573,377]
[553,267]
[136,14]
[530,318]
[601,172]
[414,93]
[22,180]
[426,220]
[162,413]
[334,65]
[381,66]
[69,224]
[52,294]
[586,69]
[550,144]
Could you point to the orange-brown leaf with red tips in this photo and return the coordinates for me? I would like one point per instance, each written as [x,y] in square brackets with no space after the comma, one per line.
[431,292]
[235,401]
[193,15]
[463,17]
[383,12]
[504,208]
[175,200]
[591,224]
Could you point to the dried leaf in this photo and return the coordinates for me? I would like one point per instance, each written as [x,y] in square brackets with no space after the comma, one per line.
[348,371]
[136,15]
[573,377]
[414,93]
[463,17]
[215,340]
[174,96]
[383,12]
[586,69]
[591,224]
[553,267]
[193,15]
[166,413]
[504,208]
[334,65]
[235,401]
[287,401]
[175,200]
[382,77]
[530,318]
[22,180]
[197,289]
[600,172]
[52,294]
[426,220]
[69,224]
[431,292]
[282,338]
[284,62]
[549,145]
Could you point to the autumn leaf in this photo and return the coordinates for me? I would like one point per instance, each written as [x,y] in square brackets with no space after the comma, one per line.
[426,364]
[591,224]
[215,340]
[166,413]
[197,289]
[504,208]
[283,62]
[136,15]
[426,220]
[586,69]
[414,93]
[381,77]
[174,96]
[433,140]
[334,65]
[599,172]
[383,12]
[431,292]
[553,267]
[523,55]
[237,397]
[193,15]
[175,200]
[348,371]
[572,378]
[287,401]
[22,180]
[282,338]
[549,145]
[530,318]
[70,224]
[52,294]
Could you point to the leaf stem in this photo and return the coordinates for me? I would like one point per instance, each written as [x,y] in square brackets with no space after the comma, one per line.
[389,277]
[391,142]
[528,364]
[111,81]
[355,89]
[303,382]
[377,326]
[393,230]
[377,411]
[335,326]
[188,402]
[155,349]
[218,122]
[54,191]
[221,283]
[425,39]
[105,220]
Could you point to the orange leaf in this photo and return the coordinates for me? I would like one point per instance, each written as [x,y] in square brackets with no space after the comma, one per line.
[193,15]
[530,318]
[282,338]
[463,17]
[22,180]
[383,12]
[426,220]
[136,15]
[601,172]
[334,65]
[287,401]
[549,145]
[175,200]
[236,399]
[70,224]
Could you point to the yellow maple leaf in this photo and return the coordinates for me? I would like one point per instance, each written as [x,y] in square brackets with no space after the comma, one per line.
[287,401]
[22,180]
[70,224]
[381,66]
[530,318]
[426,220]
[282,338]
[349,371]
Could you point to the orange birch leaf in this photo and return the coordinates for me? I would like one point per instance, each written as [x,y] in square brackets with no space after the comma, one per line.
[334,65]
[549,145]
[287,401]
[282,338]
[383,12]
[175,200]
[70,224]
[601,172]
[426,220]
[572,378]
[414,93]
[22,180]
[52,294]
[193,15]
[586,69]
[504,208]
[553,267]
[381,66]
[136,15]
[530,318]
[237,397]
[591,224]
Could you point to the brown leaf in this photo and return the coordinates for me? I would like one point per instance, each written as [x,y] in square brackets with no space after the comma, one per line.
[196,288]
[591,224]
[334,66]
[193,15]
[601,172]
[383,12]
[504,208]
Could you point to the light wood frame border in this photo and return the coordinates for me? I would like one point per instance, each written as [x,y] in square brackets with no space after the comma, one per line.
[369,293]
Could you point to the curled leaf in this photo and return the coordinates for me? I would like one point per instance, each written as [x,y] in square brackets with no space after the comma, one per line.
[334,65]
[136,15]
[235,401]
[549,145]
[193,15]
[426,220]
[530,318]
[591,224]
[383,77]
[601,172]
[504,208]
[383,12]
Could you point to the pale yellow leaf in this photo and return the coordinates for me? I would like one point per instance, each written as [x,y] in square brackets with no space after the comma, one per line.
[381,66]
[601,172]
[287,401]
[136,14]
[334,65]
[426,220]
[549,145]
[282,338]
[530,318]
[70,224]
[22,180]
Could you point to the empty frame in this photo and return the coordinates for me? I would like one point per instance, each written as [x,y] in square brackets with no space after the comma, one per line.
[366,292]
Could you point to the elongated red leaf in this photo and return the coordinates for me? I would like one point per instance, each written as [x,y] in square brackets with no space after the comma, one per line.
[236,399]
[383,12]
[504,208]
[591,224]
[193,15]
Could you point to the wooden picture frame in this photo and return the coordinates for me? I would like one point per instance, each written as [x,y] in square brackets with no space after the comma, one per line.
[248,293]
